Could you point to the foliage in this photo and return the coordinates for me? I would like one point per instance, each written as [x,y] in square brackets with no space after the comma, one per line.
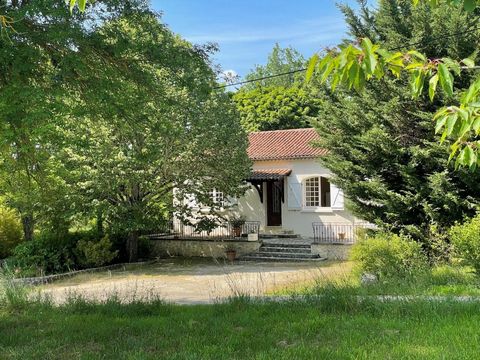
[280,60]
[96,253]
[276,107]
[116,113]
[10,231]
[279,102]
[389,256]
[353,64]
[382,150]
[52,253]
[466,241]
[237,221]
[46,254]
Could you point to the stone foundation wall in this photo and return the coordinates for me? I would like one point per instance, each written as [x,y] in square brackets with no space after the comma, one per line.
[332,251]
[201,248]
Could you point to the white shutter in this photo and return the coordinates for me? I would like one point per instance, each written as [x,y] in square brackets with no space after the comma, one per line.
[294,193]
[336,197]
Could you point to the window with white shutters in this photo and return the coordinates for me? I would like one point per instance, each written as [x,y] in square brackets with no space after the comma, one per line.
[316,192]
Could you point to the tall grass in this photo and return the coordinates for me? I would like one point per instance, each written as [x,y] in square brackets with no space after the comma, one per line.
[13,294]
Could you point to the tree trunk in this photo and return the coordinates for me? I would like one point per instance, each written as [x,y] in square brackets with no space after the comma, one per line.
[28,224]
[132,246]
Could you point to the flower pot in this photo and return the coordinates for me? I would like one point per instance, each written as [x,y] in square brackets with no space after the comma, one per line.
[231,255]
[253,237]
[341,236]
[237,231]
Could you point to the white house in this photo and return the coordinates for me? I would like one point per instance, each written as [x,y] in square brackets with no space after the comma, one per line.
[289,189]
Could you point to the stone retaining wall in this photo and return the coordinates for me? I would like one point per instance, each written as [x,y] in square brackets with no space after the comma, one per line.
[332,251]
[50,278]
[201,248]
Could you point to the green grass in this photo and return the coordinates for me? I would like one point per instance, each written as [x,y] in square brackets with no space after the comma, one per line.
[439,281]
[337,327]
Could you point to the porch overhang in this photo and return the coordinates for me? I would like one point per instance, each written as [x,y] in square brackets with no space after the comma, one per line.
[259,176]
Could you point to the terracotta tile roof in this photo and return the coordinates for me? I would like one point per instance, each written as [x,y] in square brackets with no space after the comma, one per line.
[283,144]
[269,174]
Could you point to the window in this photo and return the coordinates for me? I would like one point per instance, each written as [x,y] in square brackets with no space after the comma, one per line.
[217,197]
[317,192]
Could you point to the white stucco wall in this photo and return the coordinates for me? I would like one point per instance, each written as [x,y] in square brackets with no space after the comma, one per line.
[299,220]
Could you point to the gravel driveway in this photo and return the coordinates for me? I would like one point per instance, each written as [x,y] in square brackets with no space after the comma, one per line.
[192,282]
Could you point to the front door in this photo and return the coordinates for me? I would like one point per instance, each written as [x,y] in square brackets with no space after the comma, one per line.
[274,203]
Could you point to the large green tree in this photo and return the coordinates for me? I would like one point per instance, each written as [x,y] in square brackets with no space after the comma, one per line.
[281,102]
[382,149]
[276,107]
[124,112]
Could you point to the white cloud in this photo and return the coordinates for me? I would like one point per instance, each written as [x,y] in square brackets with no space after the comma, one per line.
[306,31]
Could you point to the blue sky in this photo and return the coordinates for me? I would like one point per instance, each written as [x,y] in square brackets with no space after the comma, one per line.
[246,30]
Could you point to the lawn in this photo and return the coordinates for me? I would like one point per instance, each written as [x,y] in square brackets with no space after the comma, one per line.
[443,280]
[333,328]
[336,325]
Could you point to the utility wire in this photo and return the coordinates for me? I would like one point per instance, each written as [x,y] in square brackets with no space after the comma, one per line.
[446,36]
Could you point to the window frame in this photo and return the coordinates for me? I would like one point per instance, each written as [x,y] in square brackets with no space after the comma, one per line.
[318,207]
[214,194]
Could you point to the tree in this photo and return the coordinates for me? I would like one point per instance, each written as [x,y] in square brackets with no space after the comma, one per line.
[382,150]
[280,60]
[276,107]
[352,64]
[152,133]
[279,102]
[106,113]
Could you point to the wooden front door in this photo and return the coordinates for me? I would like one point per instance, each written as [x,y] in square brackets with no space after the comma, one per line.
[274,203]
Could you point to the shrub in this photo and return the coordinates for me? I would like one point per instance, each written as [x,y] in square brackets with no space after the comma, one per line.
[45,254]
[96,253]
[452,275]
[466,241]
[389,256]
[10,231]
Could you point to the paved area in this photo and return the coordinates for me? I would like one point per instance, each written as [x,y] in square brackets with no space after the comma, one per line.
[193,282]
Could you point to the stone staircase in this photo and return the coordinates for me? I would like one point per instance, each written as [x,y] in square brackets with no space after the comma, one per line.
[283,253]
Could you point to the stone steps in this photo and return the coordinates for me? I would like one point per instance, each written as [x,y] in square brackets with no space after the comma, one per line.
[278,236]
[283,253]
[278,259]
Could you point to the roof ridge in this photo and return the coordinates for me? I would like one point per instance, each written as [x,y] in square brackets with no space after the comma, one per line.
[280,130]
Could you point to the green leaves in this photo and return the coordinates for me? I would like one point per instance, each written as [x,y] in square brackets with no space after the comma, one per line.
[81,4]
[311,67]
[370,58]
[446,79]
[432,86]
[468,5]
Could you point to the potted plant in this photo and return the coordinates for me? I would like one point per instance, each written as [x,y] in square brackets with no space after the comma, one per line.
[341,236]
[237,222]
[231,254]
[252,235]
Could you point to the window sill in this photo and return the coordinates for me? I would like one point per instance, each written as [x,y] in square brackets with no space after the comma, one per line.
[317,210]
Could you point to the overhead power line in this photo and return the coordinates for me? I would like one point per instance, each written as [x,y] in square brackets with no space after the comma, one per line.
[444,36]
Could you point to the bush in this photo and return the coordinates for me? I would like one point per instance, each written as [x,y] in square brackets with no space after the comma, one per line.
[389,256]
[10,231]
[45,254]
[465,239]
[96,253]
